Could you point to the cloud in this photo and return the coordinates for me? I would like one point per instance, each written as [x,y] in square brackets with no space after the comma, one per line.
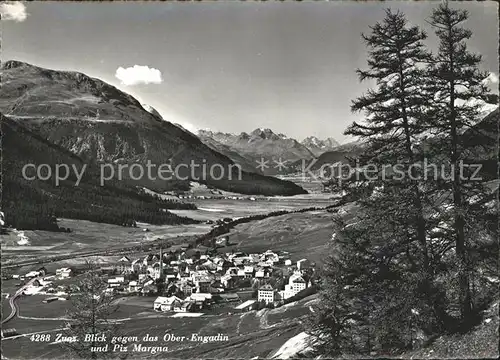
[13,10]
[491,79]
[138,74]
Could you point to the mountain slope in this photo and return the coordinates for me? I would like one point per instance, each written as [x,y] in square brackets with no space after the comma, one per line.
[98,122]
[259,144]
[246,164]
[31,204]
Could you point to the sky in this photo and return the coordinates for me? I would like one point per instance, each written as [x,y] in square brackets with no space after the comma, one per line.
[227,66]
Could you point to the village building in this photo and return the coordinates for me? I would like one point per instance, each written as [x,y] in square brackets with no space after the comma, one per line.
[267,294]
[187,287]
[296,284]
[270,257]
[63,273]
[167,303]
[123,265]
[137,266]
[134,286]
[303,264]
[246,306]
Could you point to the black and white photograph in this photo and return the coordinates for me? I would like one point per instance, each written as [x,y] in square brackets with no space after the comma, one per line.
[249,179]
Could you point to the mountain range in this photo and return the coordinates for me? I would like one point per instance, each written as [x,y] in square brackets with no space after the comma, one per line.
[248,149]
[318,147]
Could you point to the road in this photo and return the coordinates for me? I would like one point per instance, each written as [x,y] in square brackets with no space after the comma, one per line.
[12,300]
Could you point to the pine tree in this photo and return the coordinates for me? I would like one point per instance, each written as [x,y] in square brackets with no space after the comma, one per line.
[458,86]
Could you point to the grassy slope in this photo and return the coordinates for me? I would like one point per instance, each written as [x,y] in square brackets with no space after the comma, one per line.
[250,334]
[303,235]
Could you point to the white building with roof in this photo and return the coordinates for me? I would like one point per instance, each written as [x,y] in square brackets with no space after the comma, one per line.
[246,306]
[163,303]
[267,294]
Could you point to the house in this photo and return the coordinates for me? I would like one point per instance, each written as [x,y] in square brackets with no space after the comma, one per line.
[288,262]
[236,254]
[296,284]
[109,270]
[32,274]
[163,303]
[303,264]
[228,281]
[169,273]
[200,296]
[187,287]
[235,271]
[123,265]
[209,265]
[266,293]
[248,270]
[246,306]
[148,260]
[230,297]
[184,275]
[155,269]
[116,282]
[184,306]
[270,257]
[216,287]
[200,299]
[239,261]
[149,289]
[63,273]
[224,265]
[134,286]
[137,266]
[263,273]
[172,288]
[203,284]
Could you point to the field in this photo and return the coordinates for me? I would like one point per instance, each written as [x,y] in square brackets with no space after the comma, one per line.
[256,333]
[213,209]
[88,235]
[303,235]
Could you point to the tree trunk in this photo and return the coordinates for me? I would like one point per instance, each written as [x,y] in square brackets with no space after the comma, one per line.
[460,248]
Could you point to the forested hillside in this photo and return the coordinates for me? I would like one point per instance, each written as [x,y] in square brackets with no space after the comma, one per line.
[34,204]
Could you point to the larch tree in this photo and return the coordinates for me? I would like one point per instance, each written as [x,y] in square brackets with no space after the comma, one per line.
[460,91]
[90,317]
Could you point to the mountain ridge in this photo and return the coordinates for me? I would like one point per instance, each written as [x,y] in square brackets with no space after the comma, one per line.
[318,146]
[261,143]
[99,122]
